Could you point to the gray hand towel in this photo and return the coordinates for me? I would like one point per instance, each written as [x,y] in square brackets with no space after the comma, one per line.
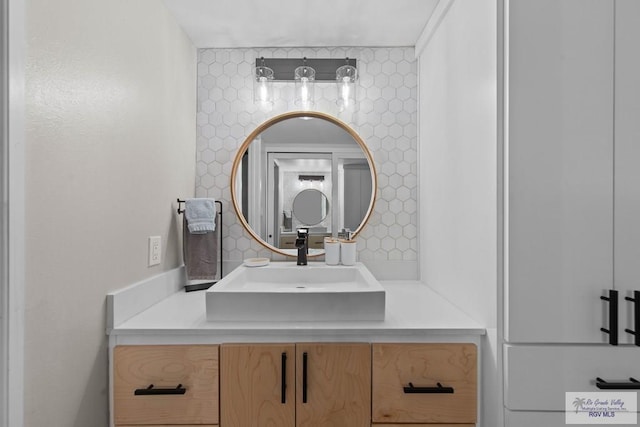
[200,253]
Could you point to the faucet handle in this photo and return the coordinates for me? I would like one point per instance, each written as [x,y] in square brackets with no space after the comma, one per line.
[303,232]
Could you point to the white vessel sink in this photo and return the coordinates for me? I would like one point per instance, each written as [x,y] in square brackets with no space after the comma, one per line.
[284,291]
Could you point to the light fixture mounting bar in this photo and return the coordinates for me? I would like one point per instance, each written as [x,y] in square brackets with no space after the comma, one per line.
[311,177]
[325,67]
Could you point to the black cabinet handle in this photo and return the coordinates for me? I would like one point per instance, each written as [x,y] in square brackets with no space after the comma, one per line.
[633,384]
[283,380]
[612,299]
[439,388]
[304,377]
[636,317]
[150,391]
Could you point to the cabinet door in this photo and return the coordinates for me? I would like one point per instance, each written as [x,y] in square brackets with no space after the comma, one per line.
[257,385]
[337,390]
[193,367]
[627,155]
[560,169]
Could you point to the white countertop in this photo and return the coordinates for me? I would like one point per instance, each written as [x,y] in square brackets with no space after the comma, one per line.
[412,309]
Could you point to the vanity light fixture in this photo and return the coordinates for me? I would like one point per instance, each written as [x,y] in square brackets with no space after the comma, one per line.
[346,77]
[262,84]
[304,76]
[311,178]
[306,73]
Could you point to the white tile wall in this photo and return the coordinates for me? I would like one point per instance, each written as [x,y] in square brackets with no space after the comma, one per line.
[386,119]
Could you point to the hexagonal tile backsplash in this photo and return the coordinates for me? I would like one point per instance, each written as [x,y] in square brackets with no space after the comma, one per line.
[386,118]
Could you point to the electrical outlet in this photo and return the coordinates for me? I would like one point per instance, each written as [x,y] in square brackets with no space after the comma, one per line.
[155,250]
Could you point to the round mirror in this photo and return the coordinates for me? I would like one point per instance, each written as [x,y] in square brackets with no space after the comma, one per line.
[310,207]
[302,170]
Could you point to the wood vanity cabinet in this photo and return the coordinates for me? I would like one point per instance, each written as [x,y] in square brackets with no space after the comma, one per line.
[424,384]
[315,241]
[287,242]
[324,384]
[162,385]
[295,385]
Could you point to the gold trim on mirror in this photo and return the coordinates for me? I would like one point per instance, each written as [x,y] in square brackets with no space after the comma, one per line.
[277,119]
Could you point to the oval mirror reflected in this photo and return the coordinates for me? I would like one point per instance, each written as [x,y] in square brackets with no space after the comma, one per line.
[302,169]
[310,207]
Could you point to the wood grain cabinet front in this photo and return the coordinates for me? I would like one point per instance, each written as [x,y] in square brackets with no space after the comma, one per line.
[315,241]
[304,385]
[165,385]
[337,389]
[424,384]
[258,385]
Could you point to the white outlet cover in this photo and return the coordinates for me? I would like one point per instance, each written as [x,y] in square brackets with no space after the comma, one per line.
[155,250]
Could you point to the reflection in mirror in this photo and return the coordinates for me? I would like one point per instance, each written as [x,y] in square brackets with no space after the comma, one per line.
[302,169]
[292,173]
[310,207]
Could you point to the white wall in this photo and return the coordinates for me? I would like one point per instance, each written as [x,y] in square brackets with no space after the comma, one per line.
[110,145]
[459,171]
[11,412]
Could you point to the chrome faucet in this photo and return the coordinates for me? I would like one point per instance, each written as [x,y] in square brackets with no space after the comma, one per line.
[302,243]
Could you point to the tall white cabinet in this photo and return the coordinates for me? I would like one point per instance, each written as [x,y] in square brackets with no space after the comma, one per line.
[560,160]
[573,201]
[627,156]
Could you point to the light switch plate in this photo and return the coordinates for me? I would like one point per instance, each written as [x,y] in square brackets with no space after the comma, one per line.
[155,250]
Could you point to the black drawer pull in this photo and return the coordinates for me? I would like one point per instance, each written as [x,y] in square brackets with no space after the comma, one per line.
[633,384]
[283,380]
[304,377]
[150,391]
[636,317]
[439,388]
[612,299]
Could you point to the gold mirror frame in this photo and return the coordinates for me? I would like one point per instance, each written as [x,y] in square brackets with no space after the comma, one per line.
[291,115]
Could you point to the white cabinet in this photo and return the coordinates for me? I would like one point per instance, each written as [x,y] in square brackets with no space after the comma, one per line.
[560,159]
[573,156]
[627,159]
[573,200]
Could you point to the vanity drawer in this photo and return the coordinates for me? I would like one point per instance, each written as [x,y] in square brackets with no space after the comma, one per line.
[195,367]
[537,377]
[315,241]
[287,242]
[424,365]
[423,425]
